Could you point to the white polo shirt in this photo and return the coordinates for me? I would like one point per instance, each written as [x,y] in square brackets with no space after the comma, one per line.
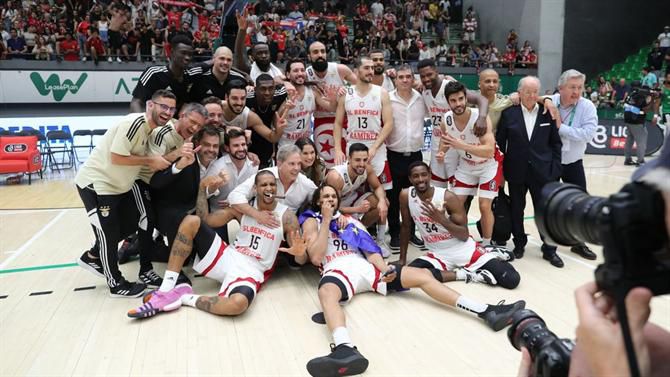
[408,123]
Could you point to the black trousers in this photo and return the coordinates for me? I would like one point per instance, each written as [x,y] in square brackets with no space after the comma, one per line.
[574,173]
[115,217]
[399,164]
[517,194]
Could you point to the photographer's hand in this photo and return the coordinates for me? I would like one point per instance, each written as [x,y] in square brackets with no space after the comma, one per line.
[526,365]
[599,335]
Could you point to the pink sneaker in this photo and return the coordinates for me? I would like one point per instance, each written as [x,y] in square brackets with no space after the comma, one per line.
[161,302]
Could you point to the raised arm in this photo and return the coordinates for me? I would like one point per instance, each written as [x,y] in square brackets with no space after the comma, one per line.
[240,49]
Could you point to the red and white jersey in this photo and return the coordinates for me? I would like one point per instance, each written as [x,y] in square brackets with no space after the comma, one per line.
[436,107]
[299,119]
[339,250]
[467,136]
[350,187]
[364,119]
[332,81]
[240,120]
[259,241]
[436,237]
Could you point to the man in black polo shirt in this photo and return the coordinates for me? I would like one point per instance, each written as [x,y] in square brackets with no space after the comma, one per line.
[265,102]
[175,76]
[213,81]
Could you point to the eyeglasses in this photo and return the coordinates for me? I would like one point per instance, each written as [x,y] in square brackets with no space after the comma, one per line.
[165,108]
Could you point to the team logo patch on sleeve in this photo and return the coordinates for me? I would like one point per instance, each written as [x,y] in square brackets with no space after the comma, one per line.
[104,211]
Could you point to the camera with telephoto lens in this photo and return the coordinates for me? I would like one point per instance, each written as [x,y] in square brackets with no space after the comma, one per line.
[630,225]
[550,355]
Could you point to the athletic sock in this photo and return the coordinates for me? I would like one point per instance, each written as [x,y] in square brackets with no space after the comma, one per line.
[189,300]
[469,305]
[169,281]
[341,336]
[486,241]
[461,274]
[381,232]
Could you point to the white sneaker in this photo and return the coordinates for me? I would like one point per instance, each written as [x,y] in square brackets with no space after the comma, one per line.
[109,59]
[481,276]
[118,59]
[83,59]
[499,252]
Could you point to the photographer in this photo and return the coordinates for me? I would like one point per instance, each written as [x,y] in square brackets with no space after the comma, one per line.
[634,117]
[600,348]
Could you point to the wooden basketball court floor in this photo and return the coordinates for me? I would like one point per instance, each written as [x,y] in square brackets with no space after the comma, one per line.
[58,320]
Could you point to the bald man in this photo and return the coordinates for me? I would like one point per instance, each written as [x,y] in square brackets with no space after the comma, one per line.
[213,82]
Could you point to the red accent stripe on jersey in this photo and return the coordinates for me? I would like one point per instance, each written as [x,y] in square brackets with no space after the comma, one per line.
[375,283]
[436,178]
[219,253]
[250,280]
[353,291]
[444,266]
[475,255]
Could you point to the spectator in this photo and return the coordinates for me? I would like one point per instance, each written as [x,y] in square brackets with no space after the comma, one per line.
[664,41]
[147,39]
[29,36]
[452,56]
[347,56]
[103,28]
[621,91]
[512,38]
[130,43]
[605,93]
[425,53]
[82,35]
[95,46]
[42,50]
[69,48]
[377,9]
[469,28]
[16,46]
[3,50]
[509,59]
[649,79]
[655,59]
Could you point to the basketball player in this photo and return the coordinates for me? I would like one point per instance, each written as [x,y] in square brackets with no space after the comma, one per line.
[366,107]
[241,268]
[441,219]
[109,187]
[437,106]
[330,77]
[479,166]
[349,270]
[302,104]
[380,77]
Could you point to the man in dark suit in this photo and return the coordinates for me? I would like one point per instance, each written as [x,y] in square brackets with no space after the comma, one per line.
[529,139]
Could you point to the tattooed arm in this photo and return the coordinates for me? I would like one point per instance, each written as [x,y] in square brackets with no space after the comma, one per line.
[208,184]
[292,234]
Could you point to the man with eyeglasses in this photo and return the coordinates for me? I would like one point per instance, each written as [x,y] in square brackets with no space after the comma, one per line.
[113,195]
[175,76]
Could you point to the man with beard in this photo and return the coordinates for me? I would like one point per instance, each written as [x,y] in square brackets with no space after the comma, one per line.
[350,268]
[260,52]
[293,188]
[213,81]
[380,78]
[330,77]
[214,108]
[302,104]
[267,103]
[109,188]
[452,253]
[437,106]
[361,192]
[241,268]
[478,170]
[175,76]
[236,163]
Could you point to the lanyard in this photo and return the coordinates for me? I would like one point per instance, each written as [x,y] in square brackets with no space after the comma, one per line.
[572,114]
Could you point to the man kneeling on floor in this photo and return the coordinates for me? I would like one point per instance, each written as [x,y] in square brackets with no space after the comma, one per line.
[241,267]
[352,263]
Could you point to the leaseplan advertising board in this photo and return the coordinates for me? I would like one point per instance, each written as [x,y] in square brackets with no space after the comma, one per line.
[67,86]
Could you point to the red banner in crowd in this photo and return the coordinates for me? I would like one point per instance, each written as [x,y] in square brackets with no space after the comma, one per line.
[187,4]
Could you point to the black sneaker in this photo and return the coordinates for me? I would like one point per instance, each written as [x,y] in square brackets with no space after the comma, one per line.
[183,279]
[342,361]
[92,265]
[150,278]
[129,249]
[417,242]
[629,163]
[128,289]
[499,316]
[394,244]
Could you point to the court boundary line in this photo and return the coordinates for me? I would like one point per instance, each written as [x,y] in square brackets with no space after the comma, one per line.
[32,239]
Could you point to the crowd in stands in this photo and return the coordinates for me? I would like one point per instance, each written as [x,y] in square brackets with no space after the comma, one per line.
[139,30]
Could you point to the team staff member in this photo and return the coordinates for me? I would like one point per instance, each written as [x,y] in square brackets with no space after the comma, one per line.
[175,76]
[577,126]
[403,146]
[266,102]
[214,80]
[107,187]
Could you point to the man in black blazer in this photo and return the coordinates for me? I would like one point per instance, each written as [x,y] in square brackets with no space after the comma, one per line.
[529,139]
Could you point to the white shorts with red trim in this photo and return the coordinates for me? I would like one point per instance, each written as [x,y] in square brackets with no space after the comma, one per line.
[443,172]
[223,263]
[323,138]
[471,261]
[384,175]
[356,274]
[485,178]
